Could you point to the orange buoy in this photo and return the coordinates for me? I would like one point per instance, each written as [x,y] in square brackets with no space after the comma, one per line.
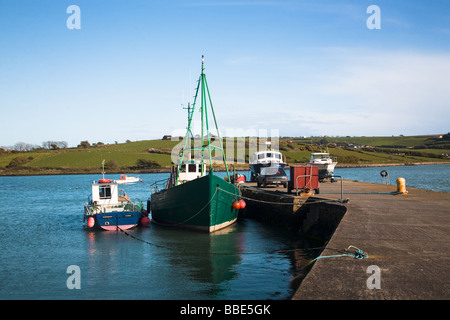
[104,181]
[91,222]
[236,205]
[242,204]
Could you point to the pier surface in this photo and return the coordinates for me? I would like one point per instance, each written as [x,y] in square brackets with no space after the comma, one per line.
[406,237]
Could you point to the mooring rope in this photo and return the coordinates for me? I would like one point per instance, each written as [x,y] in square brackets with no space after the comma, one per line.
[357,254]
[288,203]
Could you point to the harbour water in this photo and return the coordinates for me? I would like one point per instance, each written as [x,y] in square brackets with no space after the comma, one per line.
[41,236]
[429,177]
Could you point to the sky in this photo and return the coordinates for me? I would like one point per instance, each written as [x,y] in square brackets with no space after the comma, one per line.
[296,67]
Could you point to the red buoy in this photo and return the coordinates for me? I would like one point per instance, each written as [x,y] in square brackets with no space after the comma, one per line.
[91,222]
[104,181]
[242,204]
[145,221]
[236,205]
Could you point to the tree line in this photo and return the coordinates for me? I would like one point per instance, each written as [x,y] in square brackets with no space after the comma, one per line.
[50,145]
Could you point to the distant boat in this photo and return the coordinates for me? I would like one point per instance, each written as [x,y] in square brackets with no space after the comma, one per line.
[124,179]
[325,163]
[109,208]
[194,197]
[262,159]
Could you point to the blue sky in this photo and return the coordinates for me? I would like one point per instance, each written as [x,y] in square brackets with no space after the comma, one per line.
[304,68]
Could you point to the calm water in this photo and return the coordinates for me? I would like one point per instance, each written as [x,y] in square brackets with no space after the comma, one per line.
[430,177]
[41,235]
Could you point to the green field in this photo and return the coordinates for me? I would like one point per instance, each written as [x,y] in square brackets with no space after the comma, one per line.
[155,155]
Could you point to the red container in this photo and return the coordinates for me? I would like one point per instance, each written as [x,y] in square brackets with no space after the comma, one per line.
[304,177]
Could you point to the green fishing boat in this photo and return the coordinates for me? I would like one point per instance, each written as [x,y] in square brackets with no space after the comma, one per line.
[194,196]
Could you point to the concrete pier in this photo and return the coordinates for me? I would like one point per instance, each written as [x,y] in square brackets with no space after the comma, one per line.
[406,238]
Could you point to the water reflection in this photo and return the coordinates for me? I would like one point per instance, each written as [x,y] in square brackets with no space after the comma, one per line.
[240,262]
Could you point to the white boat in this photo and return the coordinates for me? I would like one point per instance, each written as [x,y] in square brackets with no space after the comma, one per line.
[261,159]
[325,163]
[109,208]
[125,179]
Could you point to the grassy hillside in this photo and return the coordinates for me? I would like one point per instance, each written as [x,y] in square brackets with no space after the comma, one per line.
[155,155]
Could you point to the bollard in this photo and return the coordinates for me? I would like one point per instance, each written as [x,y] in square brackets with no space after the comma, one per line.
[401,186]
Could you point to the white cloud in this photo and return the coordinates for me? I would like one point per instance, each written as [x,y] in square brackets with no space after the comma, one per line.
[372,94]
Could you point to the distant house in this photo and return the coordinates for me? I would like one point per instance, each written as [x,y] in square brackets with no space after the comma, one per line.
[167,137]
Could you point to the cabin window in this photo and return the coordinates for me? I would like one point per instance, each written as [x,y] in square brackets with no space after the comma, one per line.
[105,192]
[261,156]
[278,156]
[192,167]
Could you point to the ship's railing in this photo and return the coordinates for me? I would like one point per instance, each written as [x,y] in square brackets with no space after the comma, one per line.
[91,209]
[158,185]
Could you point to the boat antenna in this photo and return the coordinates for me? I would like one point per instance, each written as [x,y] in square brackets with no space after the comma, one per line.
[103,166]
[190,111]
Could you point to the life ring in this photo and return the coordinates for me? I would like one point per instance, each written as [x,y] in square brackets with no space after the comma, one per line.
[383,173]
[104,181]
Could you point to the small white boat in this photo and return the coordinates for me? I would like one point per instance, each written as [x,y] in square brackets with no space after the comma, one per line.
[325,163]
[109,208]
[125,179]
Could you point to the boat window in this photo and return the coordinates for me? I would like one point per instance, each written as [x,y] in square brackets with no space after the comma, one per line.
[261,156]
[192,167]
[105,192]
[269,155]
[277,155]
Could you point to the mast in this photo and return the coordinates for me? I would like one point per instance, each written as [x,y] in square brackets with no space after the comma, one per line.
[205,98]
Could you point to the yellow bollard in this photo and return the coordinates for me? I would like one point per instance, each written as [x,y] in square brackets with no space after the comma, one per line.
[401,186]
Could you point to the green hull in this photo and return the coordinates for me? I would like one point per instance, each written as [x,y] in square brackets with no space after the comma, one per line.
[204,204]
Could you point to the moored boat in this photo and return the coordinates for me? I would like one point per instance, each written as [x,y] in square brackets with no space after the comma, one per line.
[325,164]
[124,179]
[110,208]
[194,197]
[263,159]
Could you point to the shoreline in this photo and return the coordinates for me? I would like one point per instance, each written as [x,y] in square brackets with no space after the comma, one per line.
[388,164]
[65,171]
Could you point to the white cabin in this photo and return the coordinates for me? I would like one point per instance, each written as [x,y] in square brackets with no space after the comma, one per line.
[191,170]
[263,157]
[105,194]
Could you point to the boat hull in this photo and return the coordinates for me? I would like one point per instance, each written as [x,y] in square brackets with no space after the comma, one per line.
[113,220]
[326,170]
[255,168]
[203,204]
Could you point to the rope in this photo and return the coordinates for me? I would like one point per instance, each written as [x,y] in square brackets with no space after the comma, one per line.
[357,254]
[136,238]
[287,203]
[219,253]
[193,216]
[215,192]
